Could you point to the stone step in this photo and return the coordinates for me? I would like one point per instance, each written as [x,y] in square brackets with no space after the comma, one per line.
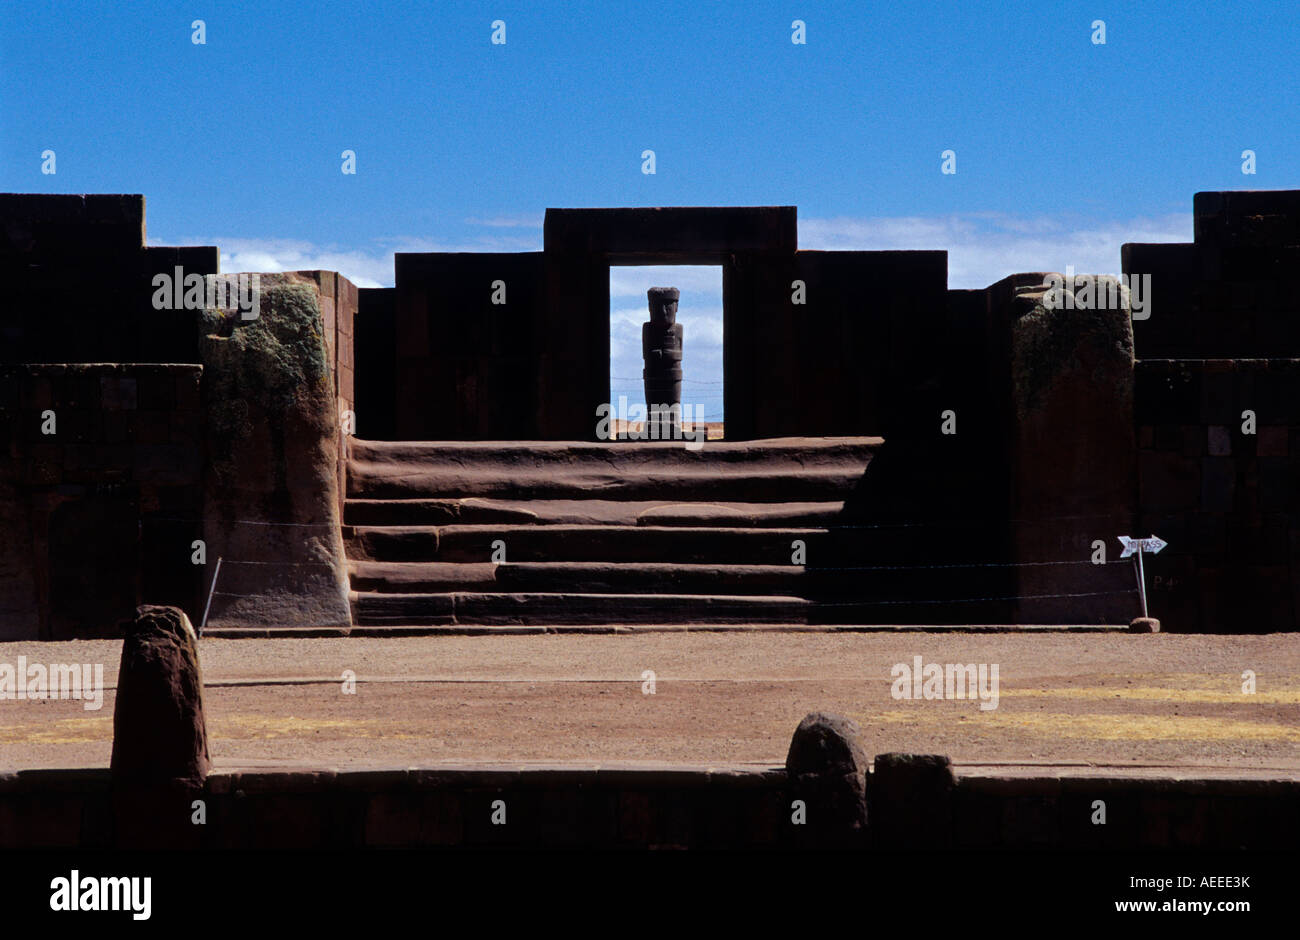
[486,511]
[373,609]
[603,577]
[785,470]
[611,610]
[576,578]
[596,543]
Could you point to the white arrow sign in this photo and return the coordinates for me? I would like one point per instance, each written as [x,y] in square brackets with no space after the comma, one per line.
[1150,546]
[1141,547]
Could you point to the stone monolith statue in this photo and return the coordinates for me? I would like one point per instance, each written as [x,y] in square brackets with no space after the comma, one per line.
[661,345]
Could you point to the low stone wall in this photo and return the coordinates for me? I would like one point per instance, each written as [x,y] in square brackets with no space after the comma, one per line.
[1162,813]
[662,807]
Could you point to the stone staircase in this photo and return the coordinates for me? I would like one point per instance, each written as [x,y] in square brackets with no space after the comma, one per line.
[591,534]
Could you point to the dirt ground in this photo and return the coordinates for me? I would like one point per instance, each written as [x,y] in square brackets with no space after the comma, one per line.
[726,698]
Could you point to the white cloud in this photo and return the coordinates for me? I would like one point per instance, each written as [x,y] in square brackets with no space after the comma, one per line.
[699,311]
[982,248]
[364,266]
[532,220]
[634,280]
[985,247]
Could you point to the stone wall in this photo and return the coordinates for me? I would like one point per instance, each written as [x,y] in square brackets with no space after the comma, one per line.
[272,493]
[103,512]
[1226,501]
[1228,294]
[537,366]
[667,808]
[1221,338]
[375,352]
[76,283]
[1069,445]
[1043,464]
[468,368]
[847,360]
[339,299]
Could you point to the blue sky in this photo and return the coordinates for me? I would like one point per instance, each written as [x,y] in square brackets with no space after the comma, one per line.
[1065,149]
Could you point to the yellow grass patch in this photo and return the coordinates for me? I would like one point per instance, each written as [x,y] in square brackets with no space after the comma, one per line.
[1097,727]
[1217,696]
[59,731]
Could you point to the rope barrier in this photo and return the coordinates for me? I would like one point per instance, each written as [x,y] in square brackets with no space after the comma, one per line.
[947,523]
[306,525]
[973,564]
[625,604]
[324,564]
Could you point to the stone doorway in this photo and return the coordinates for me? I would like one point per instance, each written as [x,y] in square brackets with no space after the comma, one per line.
[700,312]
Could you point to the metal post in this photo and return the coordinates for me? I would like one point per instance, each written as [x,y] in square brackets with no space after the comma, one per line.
[1142,580]
[217,572]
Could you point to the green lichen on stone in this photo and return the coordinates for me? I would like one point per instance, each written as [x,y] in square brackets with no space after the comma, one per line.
[271,488]
[1047,344]
[282,352]
[272,369]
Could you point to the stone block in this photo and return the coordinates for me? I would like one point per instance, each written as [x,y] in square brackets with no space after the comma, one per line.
[635,818]
[1220,387]
[117,392]
[1279,484]
[269,404]
[827,769]
[150,427]
[1273,441]
[1167,392]
[156,390]
[1218,484]
[160,748]
[1168,481]
[1206,534]
[911,801]
[1275,395]
[159,732]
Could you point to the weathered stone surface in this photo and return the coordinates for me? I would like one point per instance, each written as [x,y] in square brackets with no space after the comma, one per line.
[19,613]
[159,732]
[1144,625]
[1225,510]
[271,499]
[160,747]
[911,801]
[827,769]
[78,282]
[661,348]
[101,512]
[1072,370]
[826,744]
[867,342]
[1073,450]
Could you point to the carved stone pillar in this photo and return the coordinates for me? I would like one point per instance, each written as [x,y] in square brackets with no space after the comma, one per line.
[661,345]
